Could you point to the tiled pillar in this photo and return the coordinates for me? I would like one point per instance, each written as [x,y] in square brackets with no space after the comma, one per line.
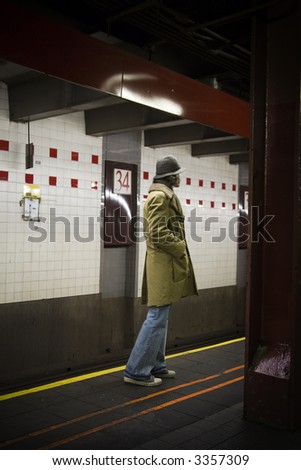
[273,353]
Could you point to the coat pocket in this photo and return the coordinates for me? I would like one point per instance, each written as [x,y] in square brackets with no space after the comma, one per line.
[180,268]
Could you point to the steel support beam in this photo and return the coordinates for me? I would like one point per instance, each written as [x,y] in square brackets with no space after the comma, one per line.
[273,327]
[177,135]
[242,157]
[125,117]
[230,145]
[50,47]
[44,97]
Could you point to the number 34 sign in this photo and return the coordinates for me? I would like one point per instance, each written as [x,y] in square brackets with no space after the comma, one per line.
[122,181]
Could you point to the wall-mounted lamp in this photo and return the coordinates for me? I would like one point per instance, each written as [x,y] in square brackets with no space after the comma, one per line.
[31,202]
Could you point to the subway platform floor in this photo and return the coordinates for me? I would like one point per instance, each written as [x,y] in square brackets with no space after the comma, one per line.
[201,408]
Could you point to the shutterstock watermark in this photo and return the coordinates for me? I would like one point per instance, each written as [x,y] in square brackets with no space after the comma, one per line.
[118,227]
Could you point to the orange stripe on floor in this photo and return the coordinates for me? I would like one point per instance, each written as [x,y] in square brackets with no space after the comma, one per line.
[140,413]
[113,408]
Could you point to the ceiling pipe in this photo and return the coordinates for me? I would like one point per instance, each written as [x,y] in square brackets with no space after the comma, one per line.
[157,27]
[233,17]
[131,10]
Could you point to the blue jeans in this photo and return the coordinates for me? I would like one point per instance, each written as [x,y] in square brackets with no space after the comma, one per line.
[148,353]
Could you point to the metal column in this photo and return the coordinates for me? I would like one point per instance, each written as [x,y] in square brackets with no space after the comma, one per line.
[273,352]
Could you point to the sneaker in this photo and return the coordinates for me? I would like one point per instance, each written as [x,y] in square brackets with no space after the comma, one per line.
[152,382]
[165,374]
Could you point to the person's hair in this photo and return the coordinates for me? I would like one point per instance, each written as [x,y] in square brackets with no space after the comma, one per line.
[172,179]
[168,180]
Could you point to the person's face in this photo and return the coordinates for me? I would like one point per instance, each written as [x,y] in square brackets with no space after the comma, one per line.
[177,181]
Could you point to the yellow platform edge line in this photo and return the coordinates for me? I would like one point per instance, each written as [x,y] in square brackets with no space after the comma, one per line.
[204,348]
[92,375]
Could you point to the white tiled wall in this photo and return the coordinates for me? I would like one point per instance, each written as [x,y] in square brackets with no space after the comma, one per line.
[208,192]
[36,260]
[60,255]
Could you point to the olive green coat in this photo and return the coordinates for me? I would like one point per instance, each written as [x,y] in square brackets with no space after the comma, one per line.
[168,272]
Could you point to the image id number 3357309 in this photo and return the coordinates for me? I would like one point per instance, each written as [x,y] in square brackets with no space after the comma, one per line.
[220,459]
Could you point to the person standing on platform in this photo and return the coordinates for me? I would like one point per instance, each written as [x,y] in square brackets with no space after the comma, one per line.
[168,274]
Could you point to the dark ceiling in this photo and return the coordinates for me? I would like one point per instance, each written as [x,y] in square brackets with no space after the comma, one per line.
[207,40]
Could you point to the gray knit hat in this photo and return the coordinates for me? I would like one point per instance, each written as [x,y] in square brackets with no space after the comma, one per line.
[168,166]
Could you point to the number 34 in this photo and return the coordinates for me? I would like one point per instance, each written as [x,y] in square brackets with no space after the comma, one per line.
[122,181]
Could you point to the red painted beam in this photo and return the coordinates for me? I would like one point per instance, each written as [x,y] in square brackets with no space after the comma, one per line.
[41,43]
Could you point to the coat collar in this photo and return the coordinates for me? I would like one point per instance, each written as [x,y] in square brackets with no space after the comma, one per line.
[162,187]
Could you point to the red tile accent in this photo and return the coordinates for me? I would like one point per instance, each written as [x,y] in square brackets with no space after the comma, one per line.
[212,184]
[74,156]
[4,145]
[212,204]
[52,180]
[188,181]
[188,201]
[94,185]
[233,206]
[4,175]
[52,153]
[200,202]
[94,159]
[223,185]
[74,183]
[233,187]
[145,175]
[201,182]
[223,205]
[28,178]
